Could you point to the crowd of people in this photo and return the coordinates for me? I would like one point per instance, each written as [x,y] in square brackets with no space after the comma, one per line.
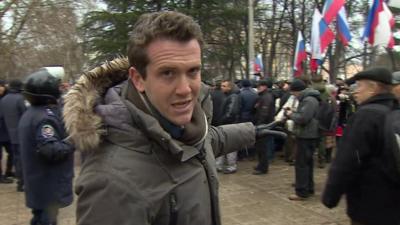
[153,137]
[265,101]
[355,135]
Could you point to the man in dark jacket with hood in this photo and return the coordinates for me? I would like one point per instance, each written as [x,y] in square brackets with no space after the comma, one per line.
[144,124]
[307,134]
[13,106]
[373,198]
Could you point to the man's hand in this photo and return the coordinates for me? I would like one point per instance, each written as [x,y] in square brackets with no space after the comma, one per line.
[287,112]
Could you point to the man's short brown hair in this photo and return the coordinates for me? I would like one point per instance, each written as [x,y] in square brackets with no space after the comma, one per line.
[168,25]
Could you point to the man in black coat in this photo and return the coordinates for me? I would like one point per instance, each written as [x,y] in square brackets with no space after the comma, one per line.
[47,158]
[5,142]
[13,106]
[357,171]
[265,111]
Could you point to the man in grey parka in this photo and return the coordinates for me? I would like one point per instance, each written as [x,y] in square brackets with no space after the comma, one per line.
[307,133]
[143,124]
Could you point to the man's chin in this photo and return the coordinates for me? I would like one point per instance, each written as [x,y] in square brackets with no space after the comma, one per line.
[181,120]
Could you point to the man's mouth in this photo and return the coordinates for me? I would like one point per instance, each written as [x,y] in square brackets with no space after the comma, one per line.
[182,105]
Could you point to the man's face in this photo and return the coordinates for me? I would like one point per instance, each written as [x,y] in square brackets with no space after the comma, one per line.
[173,79]
[396,91]
[261,88]
[225,87]
[363,91]
[285,87]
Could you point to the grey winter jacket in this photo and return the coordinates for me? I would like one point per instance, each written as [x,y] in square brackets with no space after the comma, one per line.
[305,123]
[134,172]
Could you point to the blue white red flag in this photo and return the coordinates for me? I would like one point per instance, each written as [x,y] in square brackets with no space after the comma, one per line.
[300,56]
[326,35]
[331,9]
[258,64]
[316,54]
[343,27]
[380,22]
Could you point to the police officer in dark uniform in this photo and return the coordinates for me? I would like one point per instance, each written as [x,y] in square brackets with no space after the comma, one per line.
[46,156]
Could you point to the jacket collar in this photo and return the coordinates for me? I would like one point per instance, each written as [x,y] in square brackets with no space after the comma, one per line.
[384,98]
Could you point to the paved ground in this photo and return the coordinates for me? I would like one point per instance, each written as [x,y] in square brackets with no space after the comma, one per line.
[245,200]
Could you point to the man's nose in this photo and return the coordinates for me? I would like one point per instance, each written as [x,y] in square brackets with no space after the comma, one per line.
[183,85]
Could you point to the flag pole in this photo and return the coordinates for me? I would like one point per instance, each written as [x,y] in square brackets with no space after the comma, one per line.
[251,39]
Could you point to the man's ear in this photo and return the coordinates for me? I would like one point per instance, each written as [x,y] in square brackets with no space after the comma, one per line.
[136,78]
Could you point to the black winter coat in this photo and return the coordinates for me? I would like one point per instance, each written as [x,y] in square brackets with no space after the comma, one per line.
[13,106]
[372,198]
[265,108]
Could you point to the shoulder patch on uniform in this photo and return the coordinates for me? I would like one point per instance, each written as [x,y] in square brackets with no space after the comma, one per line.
[49,112]
[47,131]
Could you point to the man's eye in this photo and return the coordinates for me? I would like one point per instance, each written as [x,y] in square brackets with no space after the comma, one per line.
[194,71]
[167,73]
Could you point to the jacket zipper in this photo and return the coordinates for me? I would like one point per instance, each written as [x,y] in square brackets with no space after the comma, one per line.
[202,158]
[173,220]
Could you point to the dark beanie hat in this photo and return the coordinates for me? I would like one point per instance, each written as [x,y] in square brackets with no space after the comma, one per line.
[3,83]
[379,74]
[246,83]
[266,82]
[297,85]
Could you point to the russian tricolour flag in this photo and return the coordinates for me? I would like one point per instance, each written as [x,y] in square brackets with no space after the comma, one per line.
[300,55]
[343,27]
[321,37]
[379,25]
[316,54]
[331,9]
[258,64]
[325,34]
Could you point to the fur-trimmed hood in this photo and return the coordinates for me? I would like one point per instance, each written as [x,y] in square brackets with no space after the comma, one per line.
[91,106]
[83,125]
